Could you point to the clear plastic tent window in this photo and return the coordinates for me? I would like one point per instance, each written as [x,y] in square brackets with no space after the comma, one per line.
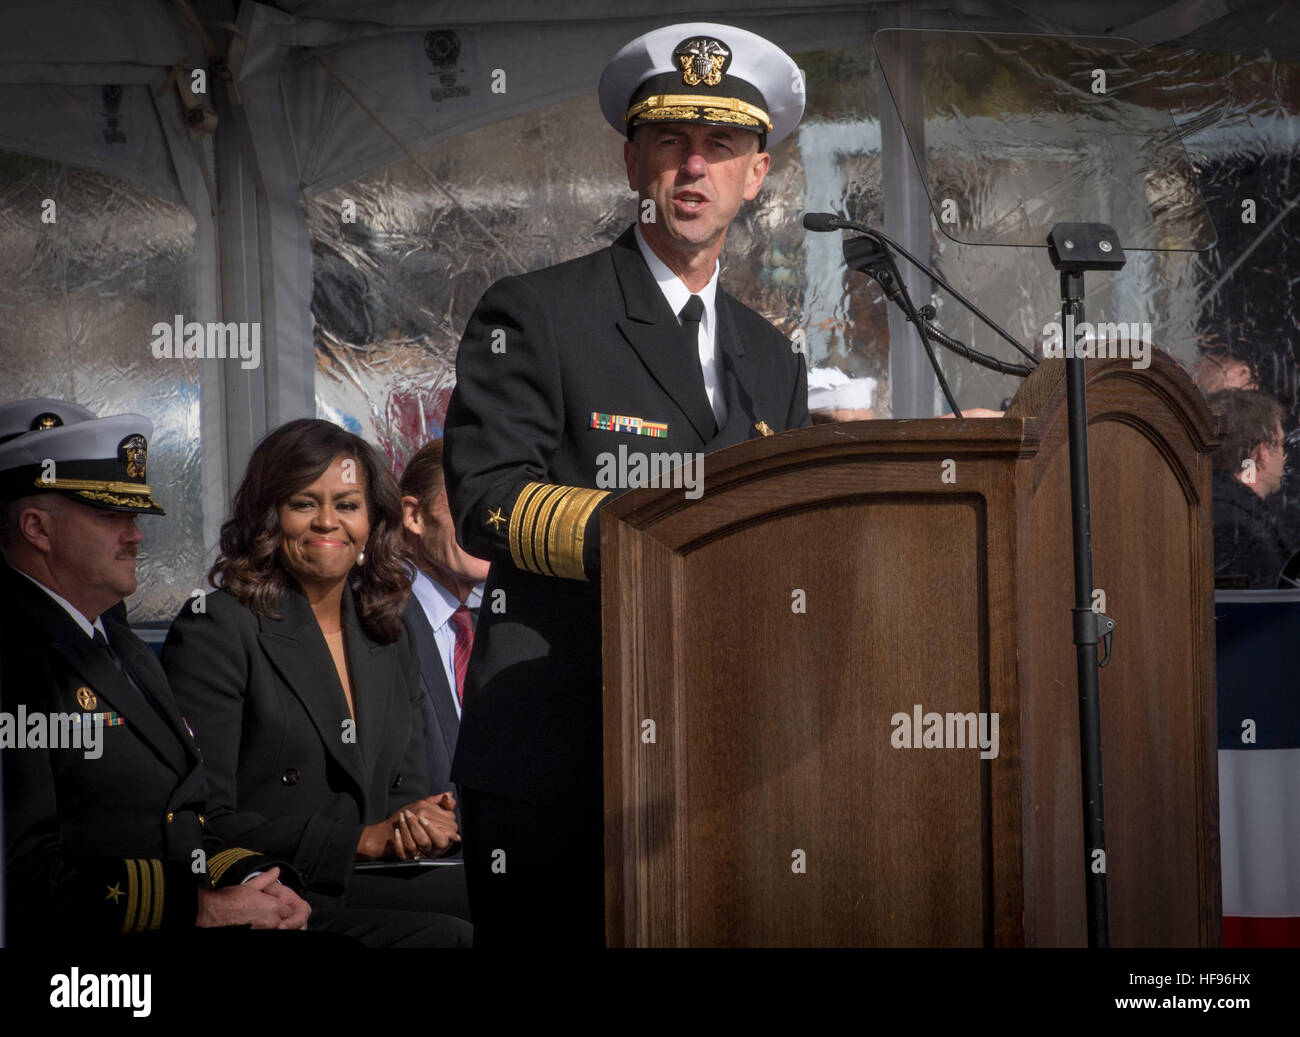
[80,291]
[1056,130]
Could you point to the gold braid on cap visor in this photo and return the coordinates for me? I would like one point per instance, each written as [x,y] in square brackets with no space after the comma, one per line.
[106,485]
[685,107]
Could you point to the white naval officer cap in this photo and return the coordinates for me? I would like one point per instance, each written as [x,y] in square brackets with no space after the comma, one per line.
[705,73]
[34,415]
[51,446]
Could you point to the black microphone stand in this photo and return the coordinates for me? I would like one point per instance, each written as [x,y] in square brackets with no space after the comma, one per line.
[1075,248]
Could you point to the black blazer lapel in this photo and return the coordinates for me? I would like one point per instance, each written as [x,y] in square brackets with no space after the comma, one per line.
[371,666]
[651,329]
[433,677]
[296,648]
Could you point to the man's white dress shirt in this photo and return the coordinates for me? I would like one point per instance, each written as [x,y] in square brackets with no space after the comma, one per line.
[676,293]
[438,604]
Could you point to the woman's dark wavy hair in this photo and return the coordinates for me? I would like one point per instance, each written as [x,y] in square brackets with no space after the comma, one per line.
[285,462]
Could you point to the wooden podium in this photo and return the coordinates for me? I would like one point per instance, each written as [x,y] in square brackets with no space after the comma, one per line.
[759,643]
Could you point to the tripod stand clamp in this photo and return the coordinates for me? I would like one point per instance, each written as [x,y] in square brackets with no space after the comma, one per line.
[1092,628]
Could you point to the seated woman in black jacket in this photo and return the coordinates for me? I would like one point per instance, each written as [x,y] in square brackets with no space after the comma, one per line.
[299,681]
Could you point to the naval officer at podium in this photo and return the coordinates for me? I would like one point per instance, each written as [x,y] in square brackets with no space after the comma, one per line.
[634,349]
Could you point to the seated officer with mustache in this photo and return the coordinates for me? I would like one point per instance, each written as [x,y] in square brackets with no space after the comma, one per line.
[634,349]
[110,840]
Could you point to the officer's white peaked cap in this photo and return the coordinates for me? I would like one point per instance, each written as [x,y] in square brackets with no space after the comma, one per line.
[706,73]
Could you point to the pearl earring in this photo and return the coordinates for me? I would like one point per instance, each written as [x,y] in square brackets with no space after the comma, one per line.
[361,556]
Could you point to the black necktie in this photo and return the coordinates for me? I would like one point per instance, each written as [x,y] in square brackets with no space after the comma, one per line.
[691,315]
[100,639]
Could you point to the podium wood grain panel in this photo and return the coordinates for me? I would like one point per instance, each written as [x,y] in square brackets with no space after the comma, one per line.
[1152,557]
[803,736]
[771,728]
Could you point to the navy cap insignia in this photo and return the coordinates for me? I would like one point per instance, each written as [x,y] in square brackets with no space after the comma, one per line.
[46,420]
[135,452]
[86,698]
[703,60]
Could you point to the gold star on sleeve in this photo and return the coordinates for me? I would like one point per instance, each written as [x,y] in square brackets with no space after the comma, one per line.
[115,892]
[495,518]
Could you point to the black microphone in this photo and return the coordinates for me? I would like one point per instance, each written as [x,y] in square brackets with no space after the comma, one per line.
[859,249]
[824,221]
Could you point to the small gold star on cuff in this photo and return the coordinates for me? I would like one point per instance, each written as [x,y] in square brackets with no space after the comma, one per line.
[114,892]
[495,518]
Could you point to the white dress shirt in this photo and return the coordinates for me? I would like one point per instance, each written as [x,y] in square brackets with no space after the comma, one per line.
[438,604]
[676,293]
[83,624]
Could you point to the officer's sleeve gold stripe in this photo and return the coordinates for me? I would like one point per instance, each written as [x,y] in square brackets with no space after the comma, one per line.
[518,537]
[548,525]
[580,527]
[569,533]
[515,527]
[542,507]
[557,531]
[522,518]
[132,896]
[546,519]
[220,863]
[146,892]
[159,891]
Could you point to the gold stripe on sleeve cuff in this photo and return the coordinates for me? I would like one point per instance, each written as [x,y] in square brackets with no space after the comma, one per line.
[541,508]
[159,893]
[146,896]
[520,544]
[132,896]
[548,527]
[220,863]
[515,526]
[569,533]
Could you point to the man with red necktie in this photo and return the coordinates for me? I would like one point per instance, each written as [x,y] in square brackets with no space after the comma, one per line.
[447,588]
